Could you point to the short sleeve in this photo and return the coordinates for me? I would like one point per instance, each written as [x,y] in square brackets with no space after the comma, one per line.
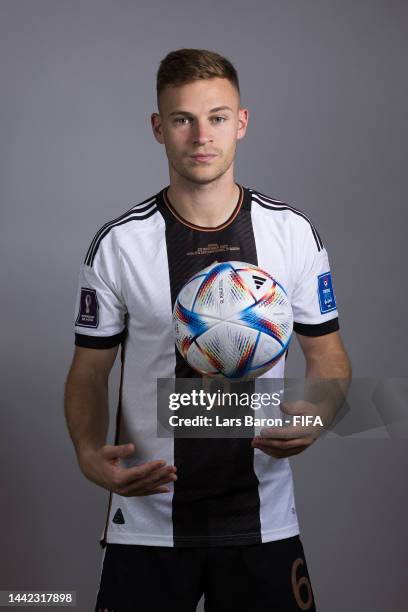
[313,299]
[100,311]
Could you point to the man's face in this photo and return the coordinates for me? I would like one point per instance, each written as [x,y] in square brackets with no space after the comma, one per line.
[199,124]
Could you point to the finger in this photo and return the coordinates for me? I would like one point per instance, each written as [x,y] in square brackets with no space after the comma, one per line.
[141,484]
[144,487]
[156,480]
[271,443]
[286,444]
[291,408]
[166,475]
[282,433]
[138,472]
[297,408]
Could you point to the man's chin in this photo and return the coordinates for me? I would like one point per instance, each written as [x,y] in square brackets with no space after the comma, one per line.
[203,176]
[202,180]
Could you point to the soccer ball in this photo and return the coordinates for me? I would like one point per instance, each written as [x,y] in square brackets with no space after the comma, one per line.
[232,320]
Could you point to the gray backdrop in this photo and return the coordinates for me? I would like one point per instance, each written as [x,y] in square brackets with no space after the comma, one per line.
[324,84]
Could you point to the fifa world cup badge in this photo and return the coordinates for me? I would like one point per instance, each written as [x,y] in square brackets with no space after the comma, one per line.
[88,315]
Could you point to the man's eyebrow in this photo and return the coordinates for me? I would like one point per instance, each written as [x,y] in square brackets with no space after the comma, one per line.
[213,110]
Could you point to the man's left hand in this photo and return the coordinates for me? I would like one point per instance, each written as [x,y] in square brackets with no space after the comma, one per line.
[285,441]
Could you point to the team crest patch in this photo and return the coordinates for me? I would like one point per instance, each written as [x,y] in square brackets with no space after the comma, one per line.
[327,299]
[88,315]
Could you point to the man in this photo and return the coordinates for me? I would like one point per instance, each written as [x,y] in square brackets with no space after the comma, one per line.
[193,516]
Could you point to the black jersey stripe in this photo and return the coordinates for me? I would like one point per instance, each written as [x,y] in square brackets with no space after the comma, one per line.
[318,329]
[216,497]
[135,208]
[99,342]
[270,204]
[132,217]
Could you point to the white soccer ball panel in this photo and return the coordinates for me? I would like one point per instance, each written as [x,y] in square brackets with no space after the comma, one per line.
[198,360]
[188,325]
[228,347]
[187,294]
[277,317]
[266,353]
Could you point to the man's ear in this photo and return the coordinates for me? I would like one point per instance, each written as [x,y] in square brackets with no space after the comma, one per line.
[243,116]
[156,124]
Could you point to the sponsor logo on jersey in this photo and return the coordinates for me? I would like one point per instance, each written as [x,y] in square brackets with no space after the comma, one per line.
[88,315]
[214,247]
[327,299]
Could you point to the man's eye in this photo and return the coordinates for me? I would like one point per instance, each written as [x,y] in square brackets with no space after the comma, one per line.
[219,119]
[182,120]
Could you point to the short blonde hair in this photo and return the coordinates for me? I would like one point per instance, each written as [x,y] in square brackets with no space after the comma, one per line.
[186,65]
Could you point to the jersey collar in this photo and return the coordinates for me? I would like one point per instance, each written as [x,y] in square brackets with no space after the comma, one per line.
[170,212]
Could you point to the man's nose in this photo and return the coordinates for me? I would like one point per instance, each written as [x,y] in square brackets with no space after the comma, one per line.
[202,133]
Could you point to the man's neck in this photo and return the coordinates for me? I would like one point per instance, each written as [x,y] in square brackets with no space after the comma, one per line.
[208,205]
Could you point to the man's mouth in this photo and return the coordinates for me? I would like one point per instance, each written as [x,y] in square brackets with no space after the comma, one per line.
[203,157]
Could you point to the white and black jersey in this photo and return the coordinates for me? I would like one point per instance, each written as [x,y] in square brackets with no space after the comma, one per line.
[227,493]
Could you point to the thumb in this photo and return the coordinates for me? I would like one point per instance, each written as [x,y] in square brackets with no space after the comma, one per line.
[297,407]
[120,450]
[290,408]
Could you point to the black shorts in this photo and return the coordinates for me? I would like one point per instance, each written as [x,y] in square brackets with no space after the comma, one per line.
[264,577]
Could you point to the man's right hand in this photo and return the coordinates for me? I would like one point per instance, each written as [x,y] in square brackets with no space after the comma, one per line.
[103,467]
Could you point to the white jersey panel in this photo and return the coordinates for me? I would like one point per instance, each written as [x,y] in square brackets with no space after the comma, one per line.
[290,249]
[277,507]
[287,248]
[100,309]
[149,355]
[311,266]
[275,255]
